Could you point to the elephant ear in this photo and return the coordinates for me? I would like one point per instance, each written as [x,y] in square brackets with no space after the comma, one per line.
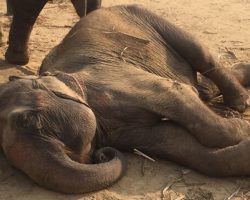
[44,160]
[32,147]
[27,77]
[60,89]
[49,81]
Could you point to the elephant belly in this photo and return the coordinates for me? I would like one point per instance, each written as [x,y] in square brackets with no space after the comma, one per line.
[112,114]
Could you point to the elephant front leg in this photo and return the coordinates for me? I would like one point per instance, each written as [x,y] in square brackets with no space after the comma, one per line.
[25,15]
[168,140]
[9,7]
[180,103]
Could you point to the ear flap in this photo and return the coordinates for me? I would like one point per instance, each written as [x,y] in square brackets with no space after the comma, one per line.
[53,84]
[60,89]
[14,77]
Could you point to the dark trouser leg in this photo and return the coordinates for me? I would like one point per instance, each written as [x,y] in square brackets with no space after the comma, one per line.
[93,5]
[83,7]
[242,72]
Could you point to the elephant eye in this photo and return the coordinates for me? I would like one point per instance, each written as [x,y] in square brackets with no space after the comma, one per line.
[27,120]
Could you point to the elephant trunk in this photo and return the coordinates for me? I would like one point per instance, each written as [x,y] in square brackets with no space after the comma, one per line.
[53,169]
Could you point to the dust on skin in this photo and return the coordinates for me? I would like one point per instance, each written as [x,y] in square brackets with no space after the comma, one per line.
[217,23]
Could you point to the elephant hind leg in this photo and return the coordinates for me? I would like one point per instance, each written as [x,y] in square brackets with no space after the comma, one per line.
[242,72]
[208,90]
[25,15]
[170,141]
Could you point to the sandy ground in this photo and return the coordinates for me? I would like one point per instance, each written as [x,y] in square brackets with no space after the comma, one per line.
[223,25]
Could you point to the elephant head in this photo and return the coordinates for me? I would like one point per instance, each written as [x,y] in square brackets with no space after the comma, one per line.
[47,131]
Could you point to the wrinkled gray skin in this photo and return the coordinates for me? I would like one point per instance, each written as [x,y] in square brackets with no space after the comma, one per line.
[25,14]
[114,78]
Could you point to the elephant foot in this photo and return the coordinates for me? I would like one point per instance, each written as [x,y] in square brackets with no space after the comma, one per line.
[239,102]
[17,57]
[242,73]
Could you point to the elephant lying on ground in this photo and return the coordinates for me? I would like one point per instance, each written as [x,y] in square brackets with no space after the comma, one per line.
[122,78]
[25,15]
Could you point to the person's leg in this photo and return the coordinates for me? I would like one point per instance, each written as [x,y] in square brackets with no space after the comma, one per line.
[83,7]
[180,103]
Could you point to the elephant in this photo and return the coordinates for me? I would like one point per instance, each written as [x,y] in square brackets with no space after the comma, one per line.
[1,35]
[123,78]
[25,14]
[9,7]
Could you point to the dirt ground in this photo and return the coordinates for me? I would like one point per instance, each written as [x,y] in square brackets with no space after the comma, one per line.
[222,25]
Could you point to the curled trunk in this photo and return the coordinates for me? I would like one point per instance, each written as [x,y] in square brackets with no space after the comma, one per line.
[53,169]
